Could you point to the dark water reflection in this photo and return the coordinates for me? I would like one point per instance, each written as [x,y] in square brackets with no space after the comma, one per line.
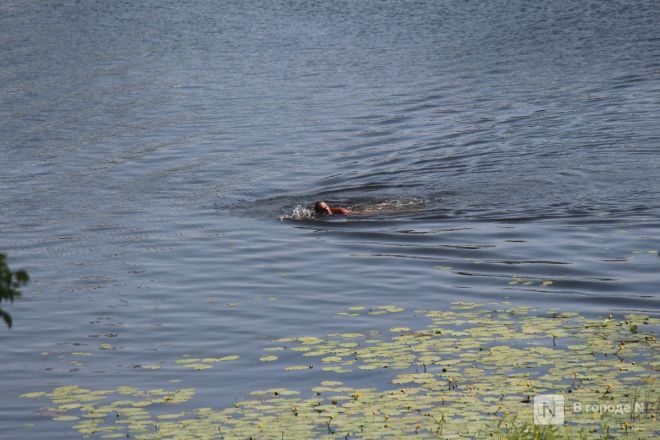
[149,149]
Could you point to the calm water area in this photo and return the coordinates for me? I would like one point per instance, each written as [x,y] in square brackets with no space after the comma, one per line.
[153,156]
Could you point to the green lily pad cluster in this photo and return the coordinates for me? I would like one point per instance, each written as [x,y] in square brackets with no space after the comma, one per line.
[472,372]
[372,311]
[203,363]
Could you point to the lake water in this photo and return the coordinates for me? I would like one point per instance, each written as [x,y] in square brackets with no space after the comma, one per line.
[152,152]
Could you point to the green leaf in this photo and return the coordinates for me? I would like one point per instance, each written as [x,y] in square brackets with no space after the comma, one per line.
[6,317]
[22,276]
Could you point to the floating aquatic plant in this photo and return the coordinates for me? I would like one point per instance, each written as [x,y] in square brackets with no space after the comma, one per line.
[472,372]
[373,311]
[204,363]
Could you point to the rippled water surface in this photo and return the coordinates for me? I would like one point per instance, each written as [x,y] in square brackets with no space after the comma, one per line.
[156,159]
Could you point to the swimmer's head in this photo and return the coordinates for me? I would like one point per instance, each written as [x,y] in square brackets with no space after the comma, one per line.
[322,208]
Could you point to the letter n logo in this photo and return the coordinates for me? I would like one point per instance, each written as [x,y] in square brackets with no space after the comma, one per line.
[549,409]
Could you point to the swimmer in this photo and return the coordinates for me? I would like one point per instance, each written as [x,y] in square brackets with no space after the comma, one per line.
[323,208]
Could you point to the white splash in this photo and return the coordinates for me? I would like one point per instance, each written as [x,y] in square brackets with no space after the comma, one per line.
[298,213]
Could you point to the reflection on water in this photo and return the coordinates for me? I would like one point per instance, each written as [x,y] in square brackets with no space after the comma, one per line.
[494,151]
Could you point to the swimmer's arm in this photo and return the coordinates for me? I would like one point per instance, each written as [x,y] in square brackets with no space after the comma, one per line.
[341,211]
